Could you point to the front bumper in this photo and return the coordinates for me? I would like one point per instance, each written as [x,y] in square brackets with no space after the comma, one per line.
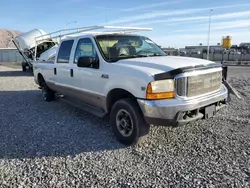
[180,111]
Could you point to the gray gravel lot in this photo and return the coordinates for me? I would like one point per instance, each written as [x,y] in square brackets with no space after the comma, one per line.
[56,145]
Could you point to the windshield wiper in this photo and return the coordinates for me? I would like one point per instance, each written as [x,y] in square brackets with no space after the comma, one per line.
[155,54]
[140,56]
[133,56]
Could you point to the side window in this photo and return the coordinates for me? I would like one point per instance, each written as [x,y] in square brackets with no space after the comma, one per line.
[52,59]
[64,51]
[84,48]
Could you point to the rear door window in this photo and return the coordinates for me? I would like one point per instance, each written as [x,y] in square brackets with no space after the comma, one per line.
[64,51]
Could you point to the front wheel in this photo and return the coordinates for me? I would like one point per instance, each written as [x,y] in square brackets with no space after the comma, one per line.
[127,122]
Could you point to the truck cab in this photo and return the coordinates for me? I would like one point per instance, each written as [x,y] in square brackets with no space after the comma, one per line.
[131,79]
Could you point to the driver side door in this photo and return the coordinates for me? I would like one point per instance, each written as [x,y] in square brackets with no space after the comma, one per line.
[87,80]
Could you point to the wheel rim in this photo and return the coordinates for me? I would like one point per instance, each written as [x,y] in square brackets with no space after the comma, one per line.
[124,123]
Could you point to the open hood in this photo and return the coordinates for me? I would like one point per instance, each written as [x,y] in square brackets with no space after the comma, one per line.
[26,43]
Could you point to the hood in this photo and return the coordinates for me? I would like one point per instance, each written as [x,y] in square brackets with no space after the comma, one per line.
[159,64]
[26,41]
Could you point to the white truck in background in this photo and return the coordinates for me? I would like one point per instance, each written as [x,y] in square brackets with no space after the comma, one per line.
[129,78]
[31,50]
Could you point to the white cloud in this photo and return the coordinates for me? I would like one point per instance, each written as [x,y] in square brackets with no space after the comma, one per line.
[203,28]
[182,40]
[153,5]
[231,25]
[143,7]
[181,22]
[156,14]
[153,15]
[195,18]
[222,24]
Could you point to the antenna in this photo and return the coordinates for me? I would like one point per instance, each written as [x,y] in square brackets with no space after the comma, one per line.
[105,12]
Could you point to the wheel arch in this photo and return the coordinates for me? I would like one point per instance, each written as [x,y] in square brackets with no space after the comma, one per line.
[116,94]
[40,79]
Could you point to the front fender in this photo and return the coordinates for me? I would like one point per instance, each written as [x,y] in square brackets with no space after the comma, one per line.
[135,86]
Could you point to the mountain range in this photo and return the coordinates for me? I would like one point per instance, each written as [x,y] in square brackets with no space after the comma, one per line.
[6,36]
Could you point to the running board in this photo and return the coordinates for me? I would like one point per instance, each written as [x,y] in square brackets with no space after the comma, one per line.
[86,107]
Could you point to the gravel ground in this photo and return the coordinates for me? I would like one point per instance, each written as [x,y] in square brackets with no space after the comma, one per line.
[55,145]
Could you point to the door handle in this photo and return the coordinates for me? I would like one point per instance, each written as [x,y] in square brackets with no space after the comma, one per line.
[54,71]
[71,73]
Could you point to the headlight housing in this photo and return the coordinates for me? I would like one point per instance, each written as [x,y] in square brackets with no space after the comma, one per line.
[161,89]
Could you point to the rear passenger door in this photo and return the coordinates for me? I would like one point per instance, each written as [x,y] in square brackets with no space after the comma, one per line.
[62,69]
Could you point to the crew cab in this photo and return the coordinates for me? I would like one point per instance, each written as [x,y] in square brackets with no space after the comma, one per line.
[131,79]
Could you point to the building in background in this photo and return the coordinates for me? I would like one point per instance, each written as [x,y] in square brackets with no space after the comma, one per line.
[170,51]
[10,55]
[203,49]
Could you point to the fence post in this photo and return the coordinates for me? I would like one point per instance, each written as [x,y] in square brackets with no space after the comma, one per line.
[224,71]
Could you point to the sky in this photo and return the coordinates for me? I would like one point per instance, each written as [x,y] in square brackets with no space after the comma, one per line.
[175,23]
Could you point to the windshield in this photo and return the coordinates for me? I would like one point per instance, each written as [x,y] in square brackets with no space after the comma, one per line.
[116,47]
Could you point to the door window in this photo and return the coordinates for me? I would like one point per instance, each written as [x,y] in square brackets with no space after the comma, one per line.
[64,51]
[85,48]
[52,59]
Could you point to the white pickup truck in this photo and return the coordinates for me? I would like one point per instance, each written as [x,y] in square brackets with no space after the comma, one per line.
[130,78]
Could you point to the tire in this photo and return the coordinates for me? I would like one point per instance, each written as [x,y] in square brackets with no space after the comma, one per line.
[127,122]
[24,68]
[47,93]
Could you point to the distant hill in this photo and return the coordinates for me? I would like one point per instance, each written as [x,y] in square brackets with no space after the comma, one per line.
[6,37]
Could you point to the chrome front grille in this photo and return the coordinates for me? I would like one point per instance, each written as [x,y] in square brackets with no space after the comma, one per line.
[197,85]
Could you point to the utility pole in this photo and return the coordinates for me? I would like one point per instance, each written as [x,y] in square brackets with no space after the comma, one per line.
[208,37]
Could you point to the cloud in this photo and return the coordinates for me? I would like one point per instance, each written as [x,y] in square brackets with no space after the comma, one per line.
[153,15]
[231,25]
[153,5]
[202,28]
[157,14]
[195,18]
[143,7]
[182,40]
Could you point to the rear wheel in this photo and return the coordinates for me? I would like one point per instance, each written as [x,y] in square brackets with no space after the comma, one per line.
[47,93]
[127,122]
[24,68]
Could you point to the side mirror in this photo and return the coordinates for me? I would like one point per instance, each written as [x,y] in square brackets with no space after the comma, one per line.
[86,61]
